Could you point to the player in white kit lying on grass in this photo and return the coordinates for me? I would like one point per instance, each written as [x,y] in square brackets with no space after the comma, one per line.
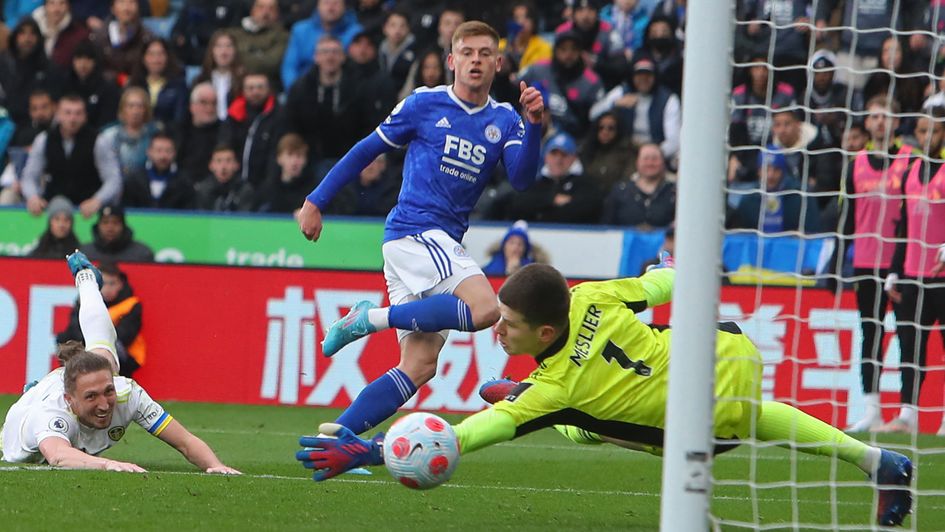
[81,409]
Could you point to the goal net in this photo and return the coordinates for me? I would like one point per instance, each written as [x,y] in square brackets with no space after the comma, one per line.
[835,136]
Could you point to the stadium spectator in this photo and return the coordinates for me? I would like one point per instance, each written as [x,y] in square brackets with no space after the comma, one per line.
[562,193]
[42,110]
[427,71]
[132,134]
[196,23]
[869,208]
[329,18]
[523,47]
[96,12]
[284,189]
[916,280]
[160,76]
[292,11]
[665,49]
[113,240]
[159,184]
[674,11]
[855,139]
[86,78]
[397,51]
[24,67]
[126,313]
[859,49]
[797,140]
[898,78]
[371,15]
[607,154]
[81,165]
[629,19]
[937,99]
[223,68]
[121,40]
[363,63]
[783,30]
[327,107]
[512,253]
[602,49]
[449,19]
[751,118]
[571,88]
[197,137]
[223,190]
[779,206]
[79,402]
[647,199]
[58,240]
[374,193]
[432,23]
[645,110]
[251,127]
[261,40]
[823,93]
[62,32]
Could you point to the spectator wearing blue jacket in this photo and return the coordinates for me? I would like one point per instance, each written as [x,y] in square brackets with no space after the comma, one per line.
[330,16]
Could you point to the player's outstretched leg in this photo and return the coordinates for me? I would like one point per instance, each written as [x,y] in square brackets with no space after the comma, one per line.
[98,331]
[430,314]
[891,471]
[77,262]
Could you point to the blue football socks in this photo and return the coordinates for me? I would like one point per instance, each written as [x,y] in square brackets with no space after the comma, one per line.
[378,401]
[432,314]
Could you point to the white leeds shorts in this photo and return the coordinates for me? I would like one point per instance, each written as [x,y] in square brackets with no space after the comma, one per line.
[423,265]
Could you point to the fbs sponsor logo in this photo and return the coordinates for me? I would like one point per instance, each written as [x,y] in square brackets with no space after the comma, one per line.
[115,433]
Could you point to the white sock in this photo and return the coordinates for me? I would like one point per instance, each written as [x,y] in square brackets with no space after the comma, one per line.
[379,318]
[97,328]
[872,406]
[909,414]
[870,462]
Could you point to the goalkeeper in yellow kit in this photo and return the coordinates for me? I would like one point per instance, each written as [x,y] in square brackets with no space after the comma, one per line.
[602,377]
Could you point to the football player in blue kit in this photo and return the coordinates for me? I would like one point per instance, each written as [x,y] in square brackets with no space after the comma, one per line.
[455,137]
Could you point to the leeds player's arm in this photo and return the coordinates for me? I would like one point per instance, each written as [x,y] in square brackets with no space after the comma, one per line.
[195,450]
[60,453]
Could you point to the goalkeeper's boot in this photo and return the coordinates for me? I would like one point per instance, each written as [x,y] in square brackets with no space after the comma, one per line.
[893,480]
[496,390]
[348,329]
[77,262]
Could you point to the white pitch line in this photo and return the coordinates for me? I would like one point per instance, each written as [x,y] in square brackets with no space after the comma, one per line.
[530,489]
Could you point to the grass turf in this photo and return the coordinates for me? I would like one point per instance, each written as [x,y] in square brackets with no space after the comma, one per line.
[537,482]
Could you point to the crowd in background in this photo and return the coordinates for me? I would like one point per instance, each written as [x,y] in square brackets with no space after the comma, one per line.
[244,105]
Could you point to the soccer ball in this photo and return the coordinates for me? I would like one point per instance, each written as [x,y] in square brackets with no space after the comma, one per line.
[421,451]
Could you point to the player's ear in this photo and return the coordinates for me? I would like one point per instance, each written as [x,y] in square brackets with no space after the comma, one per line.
[498,63]
[547,333]
[449,62]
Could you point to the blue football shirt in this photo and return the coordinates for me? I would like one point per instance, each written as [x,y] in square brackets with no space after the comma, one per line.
[452,151]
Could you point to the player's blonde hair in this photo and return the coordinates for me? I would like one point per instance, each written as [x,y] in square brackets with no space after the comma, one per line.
[81,363]
[474,28]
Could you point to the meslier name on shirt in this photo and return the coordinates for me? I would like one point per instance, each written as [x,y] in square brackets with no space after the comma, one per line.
[582,344]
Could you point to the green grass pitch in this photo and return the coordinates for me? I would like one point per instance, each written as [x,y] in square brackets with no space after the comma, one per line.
[538,482]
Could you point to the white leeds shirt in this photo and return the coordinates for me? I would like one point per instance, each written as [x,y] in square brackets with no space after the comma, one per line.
[42,412]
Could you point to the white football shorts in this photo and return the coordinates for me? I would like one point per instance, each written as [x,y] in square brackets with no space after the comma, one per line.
[423,265]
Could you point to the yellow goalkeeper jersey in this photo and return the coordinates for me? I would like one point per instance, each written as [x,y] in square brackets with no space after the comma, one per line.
[609,375]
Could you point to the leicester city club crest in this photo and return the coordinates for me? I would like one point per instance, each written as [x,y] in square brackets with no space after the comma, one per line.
[493,134]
